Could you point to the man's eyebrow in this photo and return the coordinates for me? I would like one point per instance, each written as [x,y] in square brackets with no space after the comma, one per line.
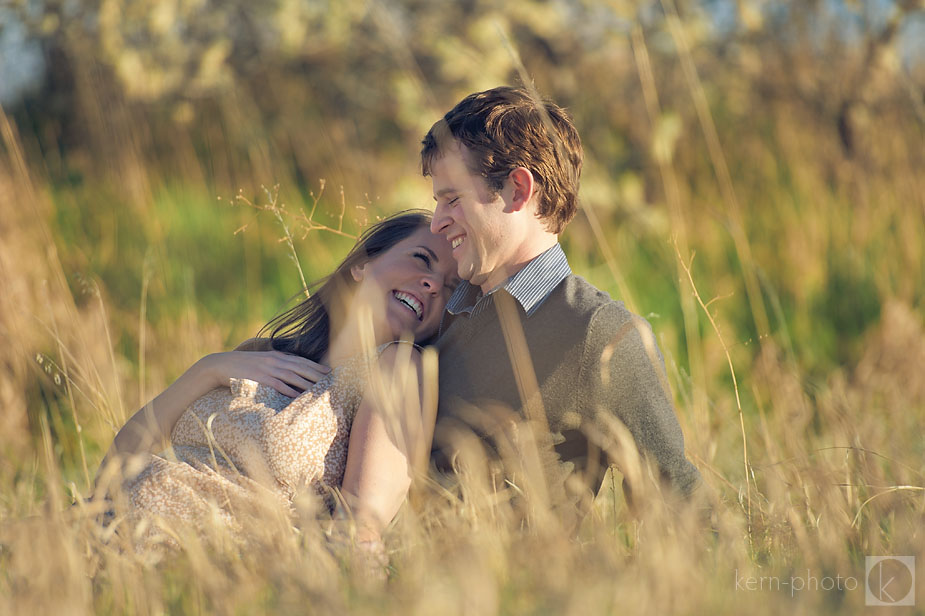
[443,192]
[430,252]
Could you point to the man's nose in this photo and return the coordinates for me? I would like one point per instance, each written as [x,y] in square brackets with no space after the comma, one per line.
[440,221]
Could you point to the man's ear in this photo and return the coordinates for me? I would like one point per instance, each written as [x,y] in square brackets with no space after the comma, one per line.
[358,272]
[523,186]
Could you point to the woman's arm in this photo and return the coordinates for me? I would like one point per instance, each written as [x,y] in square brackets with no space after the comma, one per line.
[148,430]
[390,436]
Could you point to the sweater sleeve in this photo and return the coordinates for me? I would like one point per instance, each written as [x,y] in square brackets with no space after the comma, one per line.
[623,376]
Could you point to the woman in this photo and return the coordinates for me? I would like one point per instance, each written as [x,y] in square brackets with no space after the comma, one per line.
[327,402]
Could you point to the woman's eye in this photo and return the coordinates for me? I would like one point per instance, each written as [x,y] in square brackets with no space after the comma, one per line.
[454,200]
[423,257]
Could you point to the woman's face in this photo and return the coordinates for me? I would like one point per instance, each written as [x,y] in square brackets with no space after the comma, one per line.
[408,285]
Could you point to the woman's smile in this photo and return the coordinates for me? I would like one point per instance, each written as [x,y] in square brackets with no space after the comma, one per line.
[410,301]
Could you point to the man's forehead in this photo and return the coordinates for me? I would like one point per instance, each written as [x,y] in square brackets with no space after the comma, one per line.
[452,165]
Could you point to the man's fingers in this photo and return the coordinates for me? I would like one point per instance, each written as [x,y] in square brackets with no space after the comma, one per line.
[306,368]
[301,360]
[311,375]
[295,380]
[281,387]
[310,365]
[288,374]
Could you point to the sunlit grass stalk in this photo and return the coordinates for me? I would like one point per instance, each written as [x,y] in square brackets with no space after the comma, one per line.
[115,420]
[626,293]
[307,222]
[718,159]
[679,224]
[142,327]
[66,382]
[735,385]
[274,206]
[889,490]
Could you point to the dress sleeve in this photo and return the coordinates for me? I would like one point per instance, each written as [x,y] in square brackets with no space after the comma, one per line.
[623,375]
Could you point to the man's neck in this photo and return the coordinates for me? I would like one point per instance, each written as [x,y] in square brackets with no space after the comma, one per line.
[527,251]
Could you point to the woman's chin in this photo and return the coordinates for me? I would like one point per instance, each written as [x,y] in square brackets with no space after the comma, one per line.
[394,331]
[401,326]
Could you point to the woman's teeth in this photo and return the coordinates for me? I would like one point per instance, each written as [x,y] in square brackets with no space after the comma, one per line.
[458,241]
[411,302]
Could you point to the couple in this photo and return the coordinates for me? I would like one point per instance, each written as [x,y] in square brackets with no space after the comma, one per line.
[483,279]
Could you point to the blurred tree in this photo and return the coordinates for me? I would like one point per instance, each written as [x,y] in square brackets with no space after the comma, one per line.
[296,90]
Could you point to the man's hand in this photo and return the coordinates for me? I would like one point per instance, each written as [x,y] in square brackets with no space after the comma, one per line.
[288,374]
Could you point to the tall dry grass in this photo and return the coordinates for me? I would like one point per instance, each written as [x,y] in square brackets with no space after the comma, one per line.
[835,474]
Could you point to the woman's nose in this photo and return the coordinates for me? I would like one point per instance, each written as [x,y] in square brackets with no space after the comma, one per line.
[431,282]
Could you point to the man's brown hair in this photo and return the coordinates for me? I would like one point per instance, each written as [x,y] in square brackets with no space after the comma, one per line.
[505,128]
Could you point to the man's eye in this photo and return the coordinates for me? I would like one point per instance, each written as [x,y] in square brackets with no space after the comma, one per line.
[453,201]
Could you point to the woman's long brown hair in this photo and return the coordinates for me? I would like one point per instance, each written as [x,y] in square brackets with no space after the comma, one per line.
[305,329]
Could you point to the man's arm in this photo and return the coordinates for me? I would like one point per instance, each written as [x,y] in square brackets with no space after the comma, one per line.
[623,374]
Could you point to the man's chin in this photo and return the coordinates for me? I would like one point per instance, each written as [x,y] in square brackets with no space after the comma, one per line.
[473,277]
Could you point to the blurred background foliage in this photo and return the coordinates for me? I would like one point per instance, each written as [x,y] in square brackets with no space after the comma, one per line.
[782,142]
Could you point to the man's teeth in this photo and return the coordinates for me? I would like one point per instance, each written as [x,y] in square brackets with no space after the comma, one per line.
[411,302]
[458,241]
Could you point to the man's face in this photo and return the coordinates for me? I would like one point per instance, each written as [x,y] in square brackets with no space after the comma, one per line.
[472,219]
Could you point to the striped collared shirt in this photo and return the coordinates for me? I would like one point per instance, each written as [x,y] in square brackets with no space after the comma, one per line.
[530,286]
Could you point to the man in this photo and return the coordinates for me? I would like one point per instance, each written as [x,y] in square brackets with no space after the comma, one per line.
[523,338]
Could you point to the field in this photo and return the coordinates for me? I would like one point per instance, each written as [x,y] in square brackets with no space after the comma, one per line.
[755,190]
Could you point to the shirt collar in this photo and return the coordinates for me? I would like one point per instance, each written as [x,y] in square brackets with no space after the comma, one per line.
[530,286]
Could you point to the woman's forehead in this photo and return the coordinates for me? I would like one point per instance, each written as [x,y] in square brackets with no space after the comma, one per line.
[436,242]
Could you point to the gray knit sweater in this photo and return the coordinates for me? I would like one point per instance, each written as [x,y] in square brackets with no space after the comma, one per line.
[593,360]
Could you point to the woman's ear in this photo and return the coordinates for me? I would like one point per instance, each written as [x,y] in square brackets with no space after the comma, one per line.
[358,272]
